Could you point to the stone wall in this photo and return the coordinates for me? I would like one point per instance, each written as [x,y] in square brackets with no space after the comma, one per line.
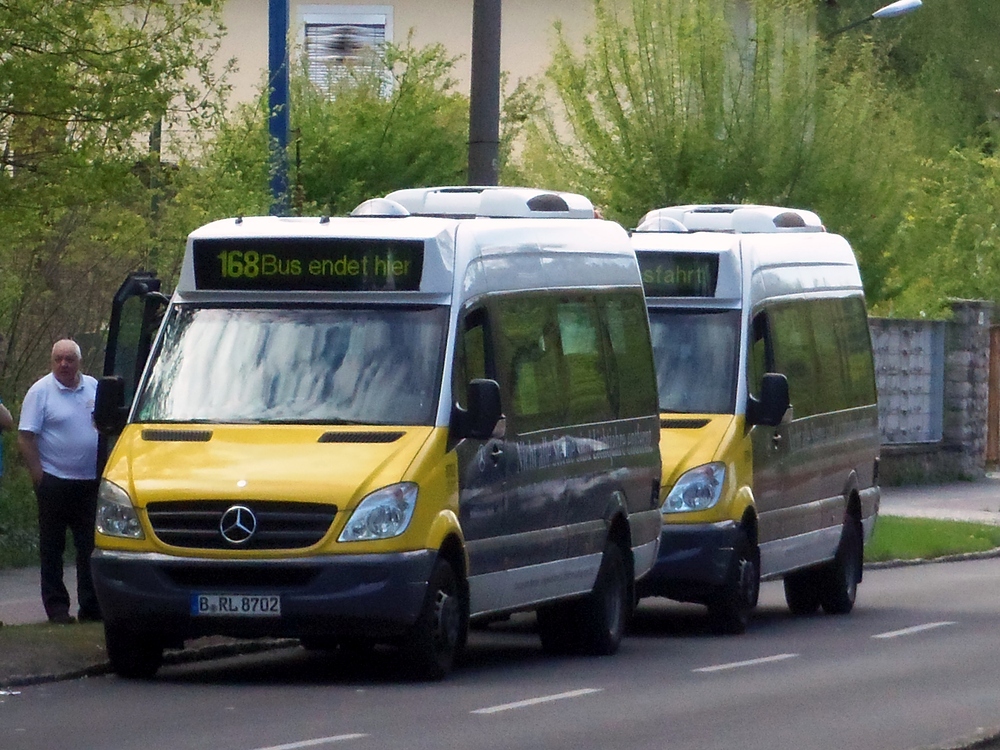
[918,388]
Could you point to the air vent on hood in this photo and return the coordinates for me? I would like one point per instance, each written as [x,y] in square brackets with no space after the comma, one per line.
[177,436]
[683,424]
[360,437]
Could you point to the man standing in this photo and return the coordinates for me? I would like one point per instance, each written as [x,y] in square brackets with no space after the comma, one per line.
[58,440]
[6,422]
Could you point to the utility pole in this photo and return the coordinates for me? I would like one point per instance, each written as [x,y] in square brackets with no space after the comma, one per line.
[277,76]
[484,97]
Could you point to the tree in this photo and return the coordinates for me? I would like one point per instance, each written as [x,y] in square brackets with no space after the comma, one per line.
[82,84]
[677,101]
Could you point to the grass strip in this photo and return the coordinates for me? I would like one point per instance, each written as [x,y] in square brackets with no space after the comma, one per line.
[899,538]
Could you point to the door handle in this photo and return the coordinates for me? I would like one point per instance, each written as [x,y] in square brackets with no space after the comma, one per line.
[496,452]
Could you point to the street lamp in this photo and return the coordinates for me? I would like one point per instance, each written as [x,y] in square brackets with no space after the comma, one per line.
[898,8]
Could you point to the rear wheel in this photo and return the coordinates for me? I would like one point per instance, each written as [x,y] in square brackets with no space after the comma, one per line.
[595,624]
[132,655]
[841,577]
[605,613]
[439,632]
[729,612]
[802,592]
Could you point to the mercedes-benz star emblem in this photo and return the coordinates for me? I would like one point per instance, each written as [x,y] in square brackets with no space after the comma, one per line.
[238,524]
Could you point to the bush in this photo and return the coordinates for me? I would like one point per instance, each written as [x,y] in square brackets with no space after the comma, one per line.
[18,512]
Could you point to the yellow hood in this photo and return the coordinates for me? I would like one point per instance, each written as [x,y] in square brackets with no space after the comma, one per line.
[261,462]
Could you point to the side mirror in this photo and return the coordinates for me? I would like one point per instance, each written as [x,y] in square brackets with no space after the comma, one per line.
[770,408]
[480,419]
[110,412]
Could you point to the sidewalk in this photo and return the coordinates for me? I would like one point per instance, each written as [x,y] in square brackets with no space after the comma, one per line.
[978,502]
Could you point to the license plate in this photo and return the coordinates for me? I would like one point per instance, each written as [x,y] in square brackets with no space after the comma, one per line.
[235,605]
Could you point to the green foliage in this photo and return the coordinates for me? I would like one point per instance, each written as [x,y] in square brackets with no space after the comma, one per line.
[18,513]
[82,85]
[397,123]
[898,538]
[677,101]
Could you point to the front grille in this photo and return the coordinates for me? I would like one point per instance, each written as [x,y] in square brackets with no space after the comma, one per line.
[238,577]
[279,525]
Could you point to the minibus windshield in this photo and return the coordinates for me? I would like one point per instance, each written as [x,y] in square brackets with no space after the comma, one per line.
[696,355]
[297,365]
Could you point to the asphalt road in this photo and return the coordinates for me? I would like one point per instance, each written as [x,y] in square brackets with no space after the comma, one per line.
[916,665]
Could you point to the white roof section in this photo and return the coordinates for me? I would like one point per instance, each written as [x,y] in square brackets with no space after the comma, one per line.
[735,218]
[493,202]
[764,251]
[462,257]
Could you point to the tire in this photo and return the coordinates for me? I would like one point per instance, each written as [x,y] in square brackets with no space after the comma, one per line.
[841,577]
[594,625]
[556,628]
[439,633]
[604,614]
[802,592]
[132,655]
[729,611]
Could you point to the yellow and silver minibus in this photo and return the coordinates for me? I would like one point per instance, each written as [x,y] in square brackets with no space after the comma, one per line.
[768,408]
[380,428]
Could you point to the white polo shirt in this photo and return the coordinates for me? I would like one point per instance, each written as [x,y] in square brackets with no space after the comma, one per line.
[62,419]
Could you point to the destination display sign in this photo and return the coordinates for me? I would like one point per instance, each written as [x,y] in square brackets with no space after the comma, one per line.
[667,274]
[308,264]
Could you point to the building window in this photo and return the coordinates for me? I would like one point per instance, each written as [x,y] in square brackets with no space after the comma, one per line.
[337,39]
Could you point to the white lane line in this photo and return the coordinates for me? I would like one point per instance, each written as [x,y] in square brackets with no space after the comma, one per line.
[314,743]
[914,629]
[536,701]
[747,663]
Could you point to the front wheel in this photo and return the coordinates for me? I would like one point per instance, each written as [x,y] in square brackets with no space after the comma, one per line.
[729,612]
[841,577]
[440,630]
[132,655]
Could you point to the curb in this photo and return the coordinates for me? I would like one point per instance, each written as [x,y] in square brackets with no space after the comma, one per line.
[185,656]
[981,739]
[987,555]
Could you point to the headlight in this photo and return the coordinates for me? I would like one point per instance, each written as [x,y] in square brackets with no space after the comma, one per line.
[697,489]
[383,514]
[115,513]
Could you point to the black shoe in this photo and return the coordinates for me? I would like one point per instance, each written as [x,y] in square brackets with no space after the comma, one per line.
[62,620]
[89,617]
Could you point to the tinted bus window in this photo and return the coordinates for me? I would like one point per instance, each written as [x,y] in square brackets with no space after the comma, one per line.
[528,356]
[627,329]
[588,399]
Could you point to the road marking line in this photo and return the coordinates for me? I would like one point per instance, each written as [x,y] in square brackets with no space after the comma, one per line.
[747,663]
[914,629]
[313,743]
[536,701]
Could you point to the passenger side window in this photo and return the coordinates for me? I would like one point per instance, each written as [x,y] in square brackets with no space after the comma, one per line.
[794,355]
[860,366]
[529,356]
[760,358]
[586,379]
[631,358]
[470,355]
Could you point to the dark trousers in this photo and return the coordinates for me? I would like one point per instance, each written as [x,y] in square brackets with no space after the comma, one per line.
[66,504]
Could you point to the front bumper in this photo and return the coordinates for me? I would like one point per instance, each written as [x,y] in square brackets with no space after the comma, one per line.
[375,596]
[693,562]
